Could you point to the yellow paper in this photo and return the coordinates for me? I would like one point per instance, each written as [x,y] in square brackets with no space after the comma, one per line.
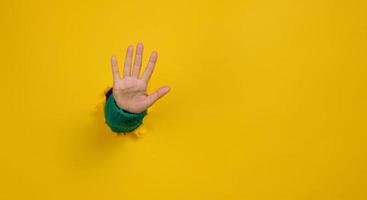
[268,100]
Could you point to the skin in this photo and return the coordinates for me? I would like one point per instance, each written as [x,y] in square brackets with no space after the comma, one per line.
[130,90]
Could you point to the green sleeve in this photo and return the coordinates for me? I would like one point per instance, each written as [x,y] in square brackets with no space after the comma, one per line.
[121,121]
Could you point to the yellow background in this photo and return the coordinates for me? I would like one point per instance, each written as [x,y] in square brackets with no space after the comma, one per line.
[268,100]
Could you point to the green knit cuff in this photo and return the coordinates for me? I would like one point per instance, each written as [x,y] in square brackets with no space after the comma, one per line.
[121,121]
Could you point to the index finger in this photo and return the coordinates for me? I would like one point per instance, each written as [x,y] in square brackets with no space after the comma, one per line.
[150,67]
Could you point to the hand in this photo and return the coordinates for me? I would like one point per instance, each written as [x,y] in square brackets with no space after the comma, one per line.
[130,92]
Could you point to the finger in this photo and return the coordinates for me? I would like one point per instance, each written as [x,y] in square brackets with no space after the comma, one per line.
[137,61]
[150,67]
[115,69]
[157,95]
[128,60]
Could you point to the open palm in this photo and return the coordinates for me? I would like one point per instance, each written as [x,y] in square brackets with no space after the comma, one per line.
[130,91]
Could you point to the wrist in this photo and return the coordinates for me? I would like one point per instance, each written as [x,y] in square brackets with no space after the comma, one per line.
[123,107]
[119,120]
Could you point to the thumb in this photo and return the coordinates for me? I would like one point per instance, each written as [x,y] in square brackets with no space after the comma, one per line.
[157,95]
